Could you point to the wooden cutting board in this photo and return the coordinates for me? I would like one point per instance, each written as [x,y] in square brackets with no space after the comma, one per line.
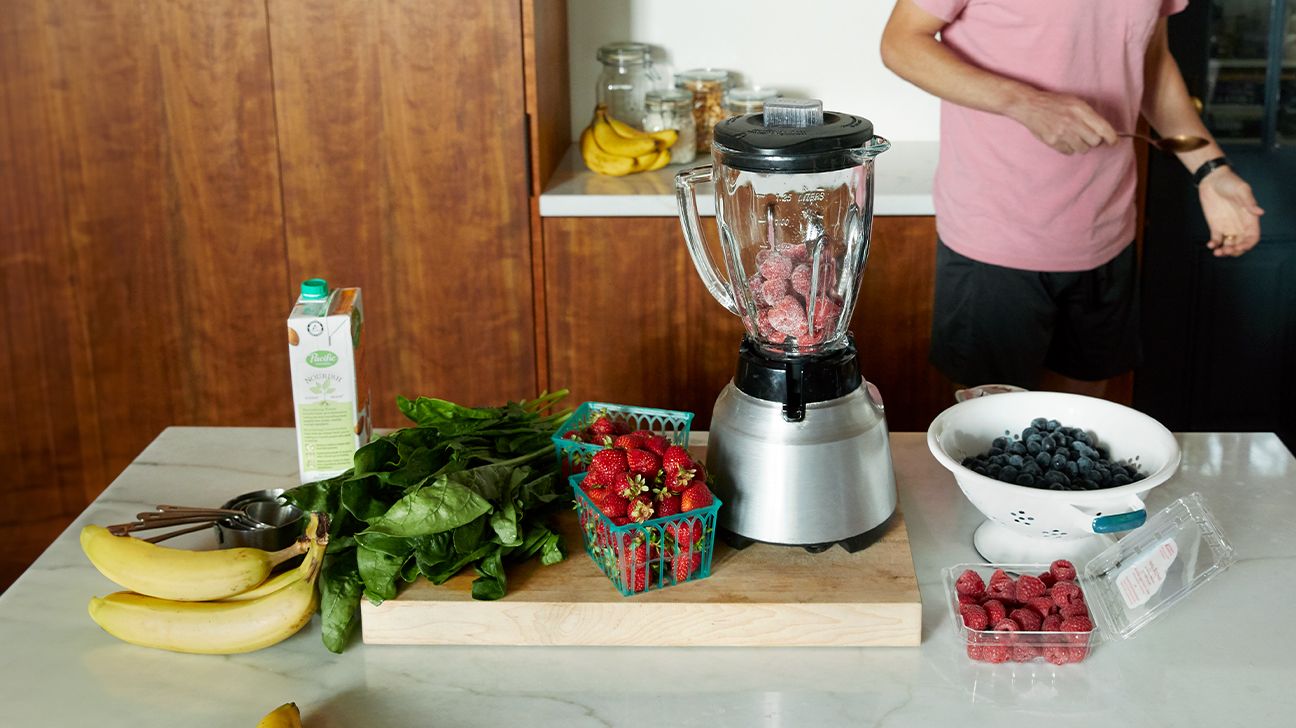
[760,596]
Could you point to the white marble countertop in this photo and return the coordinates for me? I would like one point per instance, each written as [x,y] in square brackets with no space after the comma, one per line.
[1224,657]
[903,186]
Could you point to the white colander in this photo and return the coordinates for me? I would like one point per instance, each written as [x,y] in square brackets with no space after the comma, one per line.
[1034,525]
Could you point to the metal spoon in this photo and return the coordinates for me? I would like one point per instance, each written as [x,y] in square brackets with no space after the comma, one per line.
[1176,144]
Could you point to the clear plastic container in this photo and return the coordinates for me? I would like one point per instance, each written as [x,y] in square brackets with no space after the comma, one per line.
[627,75]
[672,108]
[708,86]
[748,99]
[1125,588]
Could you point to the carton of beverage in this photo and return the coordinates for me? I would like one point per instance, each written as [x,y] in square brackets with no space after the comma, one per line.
[330,391]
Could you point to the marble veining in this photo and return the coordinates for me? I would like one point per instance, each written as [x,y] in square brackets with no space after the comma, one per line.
[1219,658]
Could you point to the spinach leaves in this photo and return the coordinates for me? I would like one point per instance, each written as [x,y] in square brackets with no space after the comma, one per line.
[462,487]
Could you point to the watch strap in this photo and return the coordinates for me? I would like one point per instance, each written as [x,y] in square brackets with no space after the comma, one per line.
[1207,167]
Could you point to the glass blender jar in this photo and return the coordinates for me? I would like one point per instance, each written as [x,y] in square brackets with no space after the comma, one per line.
[798,444]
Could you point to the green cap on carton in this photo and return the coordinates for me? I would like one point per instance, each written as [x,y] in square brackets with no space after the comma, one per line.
[314,289]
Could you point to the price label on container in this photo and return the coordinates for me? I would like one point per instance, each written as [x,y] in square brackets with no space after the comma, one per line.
[1142,579]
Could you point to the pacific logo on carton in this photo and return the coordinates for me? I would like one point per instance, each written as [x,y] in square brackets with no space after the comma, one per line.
[330,394]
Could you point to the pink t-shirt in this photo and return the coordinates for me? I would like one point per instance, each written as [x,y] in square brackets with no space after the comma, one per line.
[1001,195]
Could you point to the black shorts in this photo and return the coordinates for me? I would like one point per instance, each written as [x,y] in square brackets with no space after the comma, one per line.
[996,325]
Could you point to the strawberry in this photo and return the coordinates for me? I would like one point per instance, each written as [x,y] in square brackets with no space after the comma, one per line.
[610,504]
[606,465]
[667,505]
[603,426]
[681,480]
[657,444]
[686,534]
[630,442]
[594,480]
[642,461]
[631,485]
[695,496]
[685,566]
[675,459]
[641,508]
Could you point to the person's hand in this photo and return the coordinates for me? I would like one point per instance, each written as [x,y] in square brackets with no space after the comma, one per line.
[1062,121]
[1231,212]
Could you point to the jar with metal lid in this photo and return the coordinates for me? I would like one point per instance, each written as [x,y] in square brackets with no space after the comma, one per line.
[626,76]
[708,86]
[748,99]
[672,108]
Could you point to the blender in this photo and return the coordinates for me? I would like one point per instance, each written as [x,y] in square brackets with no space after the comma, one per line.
[798,445]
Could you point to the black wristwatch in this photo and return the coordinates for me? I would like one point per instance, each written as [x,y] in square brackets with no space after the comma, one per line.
[1207,167]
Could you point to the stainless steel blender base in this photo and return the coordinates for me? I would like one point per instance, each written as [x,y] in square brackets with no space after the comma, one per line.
[825,479]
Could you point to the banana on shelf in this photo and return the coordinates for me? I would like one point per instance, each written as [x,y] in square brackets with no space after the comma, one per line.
[265,613]
[285,716]
[614,148]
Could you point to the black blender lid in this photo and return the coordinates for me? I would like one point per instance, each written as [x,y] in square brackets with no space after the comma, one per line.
[792,135]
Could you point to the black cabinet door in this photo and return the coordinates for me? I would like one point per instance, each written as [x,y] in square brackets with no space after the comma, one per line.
[1220,333]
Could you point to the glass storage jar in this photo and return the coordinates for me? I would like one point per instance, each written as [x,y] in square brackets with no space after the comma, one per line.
[708,86]
[748,99]
[672,108]
[626,76]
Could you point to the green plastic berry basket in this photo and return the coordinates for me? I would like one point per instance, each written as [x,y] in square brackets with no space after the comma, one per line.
[574,455]
[640,557]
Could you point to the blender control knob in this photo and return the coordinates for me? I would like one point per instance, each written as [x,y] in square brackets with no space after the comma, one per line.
[788,112]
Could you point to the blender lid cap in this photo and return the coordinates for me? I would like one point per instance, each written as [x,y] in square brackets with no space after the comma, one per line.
[792,135]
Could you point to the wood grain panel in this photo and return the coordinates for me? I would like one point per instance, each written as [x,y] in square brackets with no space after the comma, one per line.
[629,319]
[402,138]
[892,322]
[146,258]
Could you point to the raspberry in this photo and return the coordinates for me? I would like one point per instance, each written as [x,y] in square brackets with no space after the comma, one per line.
[825,313]
[788,317]
[1043,605]
[1047,578]
[773,291]
[1077,624]
[1024,653]
[801,280]
[1065,592]
[1077,654]
[1063,570]
[969,599]
[1029,619]
[1057,655]
[776,267]
[975,651]
[1029,587]
[974,616]
[1007,624]
[1005,591]
[1077,609]
[970,583]
[1051,623]
[795,251]
[998,576]
[994,609]
[995,653]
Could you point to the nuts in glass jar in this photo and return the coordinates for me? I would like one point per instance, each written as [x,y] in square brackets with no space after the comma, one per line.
[708,86]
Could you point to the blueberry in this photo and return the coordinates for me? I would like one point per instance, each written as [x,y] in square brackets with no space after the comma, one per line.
[1083,436]
[1039,423]
[1088,484]
[1030,432]
[1056,486]
[1015,460]
[1053,476]
[1064,452]
[1121,479]
[993,470]
[1031,467]
[1033,446]
[1043,459]
[1054,425]
[978,470]
[1059,462]
[1009,474]
[1026,479]
[1000,459]
[1084,463]
[1000,442]
[1072,469]
[1049,443]
[995,451]
[1017,448]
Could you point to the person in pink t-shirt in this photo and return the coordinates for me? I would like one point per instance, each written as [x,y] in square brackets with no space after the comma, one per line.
[1036,273]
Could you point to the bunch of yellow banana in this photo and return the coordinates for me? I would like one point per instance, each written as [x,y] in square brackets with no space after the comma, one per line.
[615,148]
[206,602]
[285,716]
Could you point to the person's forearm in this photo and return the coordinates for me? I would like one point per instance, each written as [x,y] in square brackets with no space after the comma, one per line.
[1167,105]
[928,64]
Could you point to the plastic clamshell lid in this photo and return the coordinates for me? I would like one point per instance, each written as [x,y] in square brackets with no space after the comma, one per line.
[1147,572]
